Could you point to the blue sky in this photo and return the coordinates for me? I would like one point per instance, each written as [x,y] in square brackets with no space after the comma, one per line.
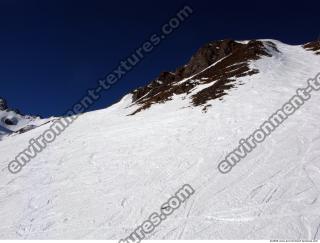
[52,51]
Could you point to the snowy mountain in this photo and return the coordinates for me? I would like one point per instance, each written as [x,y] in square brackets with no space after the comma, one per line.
[12,122]
[101,181]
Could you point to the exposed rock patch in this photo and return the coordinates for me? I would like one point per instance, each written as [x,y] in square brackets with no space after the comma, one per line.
[313,46]
[231,60]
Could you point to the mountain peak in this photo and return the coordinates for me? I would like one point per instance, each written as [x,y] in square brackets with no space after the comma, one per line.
[264,128]
[3,104]
[217,63]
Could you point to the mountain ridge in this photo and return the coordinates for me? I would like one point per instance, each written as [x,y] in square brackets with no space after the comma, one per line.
[233,59]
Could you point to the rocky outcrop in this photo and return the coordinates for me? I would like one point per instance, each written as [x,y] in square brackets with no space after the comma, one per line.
[313,46]
[231,60]
[207,55]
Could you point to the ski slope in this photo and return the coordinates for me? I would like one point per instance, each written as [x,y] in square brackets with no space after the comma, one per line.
[108,171]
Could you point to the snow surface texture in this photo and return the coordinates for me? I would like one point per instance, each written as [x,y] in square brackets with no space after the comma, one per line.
[108,171]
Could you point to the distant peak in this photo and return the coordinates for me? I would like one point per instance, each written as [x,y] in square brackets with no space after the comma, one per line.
[13,121]
[3,104]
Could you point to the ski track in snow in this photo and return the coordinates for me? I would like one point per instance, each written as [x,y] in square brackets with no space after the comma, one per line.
[108,171]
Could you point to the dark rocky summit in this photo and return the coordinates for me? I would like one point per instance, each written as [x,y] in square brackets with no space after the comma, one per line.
[313,46]
[231,61]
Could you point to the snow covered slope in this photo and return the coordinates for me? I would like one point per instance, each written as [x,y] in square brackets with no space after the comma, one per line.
[102,181]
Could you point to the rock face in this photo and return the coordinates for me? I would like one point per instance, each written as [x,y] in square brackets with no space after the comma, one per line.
[3,104]
[231,61]
[207,55]
[313,46]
